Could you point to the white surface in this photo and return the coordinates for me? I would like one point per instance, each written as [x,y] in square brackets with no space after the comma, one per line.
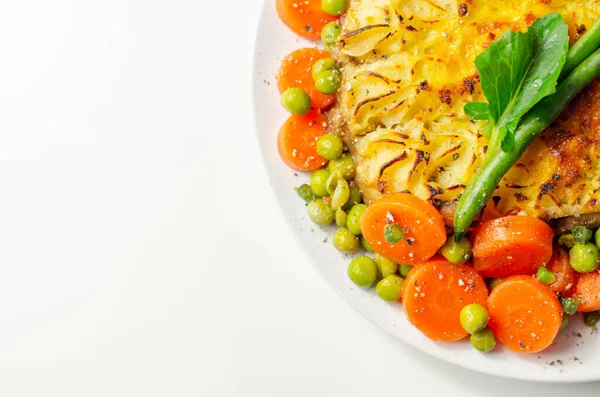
[577,348]
[142,252]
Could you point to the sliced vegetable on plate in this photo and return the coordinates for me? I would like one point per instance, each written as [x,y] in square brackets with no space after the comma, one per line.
[467,254]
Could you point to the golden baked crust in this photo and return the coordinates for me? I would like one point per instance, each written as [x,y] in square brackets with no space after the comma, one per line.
[408,68]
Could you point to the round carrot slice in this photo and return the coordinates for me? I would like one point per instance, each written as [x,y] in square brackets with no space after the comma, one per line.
[297,142]
[304,17]
[512,245]
[524,314]
[587,292]
[565,275]
[296,71]
[422,224]
[435,292]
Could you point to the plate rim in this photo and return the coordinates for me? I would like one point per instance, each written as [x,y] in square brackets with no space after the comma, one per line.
[548,377]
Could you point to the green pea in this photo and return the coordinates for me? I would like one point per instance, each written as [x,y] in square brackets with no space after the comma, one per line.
[296,101]
[328,82]
[456,252]
[591,319]
[483,340]
[569,305]
[386,267]
[330,33]
[492,283]
[334,7]
[393,233]
[330,146]
[474,318]
[404,270]
[390,288]
[365,244]
[363,271]
[584,258]
[340,195]
[597,238]
[318,182]
[564,323]
[345,241]
[305,193]
[568,240]
[340,218]
[581,234]
[345,165]
[354,217]
[320,213]
[545,276]
[355,198]
[322,65]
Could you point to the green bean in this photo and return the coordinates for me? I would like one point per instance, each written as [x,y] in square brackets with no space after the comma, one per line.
[583,48]
[480,189]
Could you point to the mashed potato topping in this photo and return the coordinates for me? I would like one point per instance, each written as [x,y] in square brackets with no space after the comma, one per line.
[408,68]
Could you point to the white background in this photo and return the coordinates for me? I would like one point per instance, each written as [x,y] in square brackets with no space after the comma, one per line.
[141,250]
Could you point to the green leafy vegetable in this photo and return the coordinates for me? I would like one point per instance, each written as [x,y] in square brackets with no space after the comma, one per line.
[519,83]
[477,110]
[517,71]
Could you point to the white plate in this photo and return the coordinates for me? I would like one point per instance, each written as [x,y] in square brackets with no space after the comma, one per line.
[575,356]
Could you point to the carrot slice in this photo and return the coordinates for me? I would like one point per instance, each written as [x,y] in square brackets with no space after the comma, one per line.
[565,275]
[435,292]
[524,314]
[512,245]
[304,17]
[423,226]
[587,292]
[296,71]
[297,142]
